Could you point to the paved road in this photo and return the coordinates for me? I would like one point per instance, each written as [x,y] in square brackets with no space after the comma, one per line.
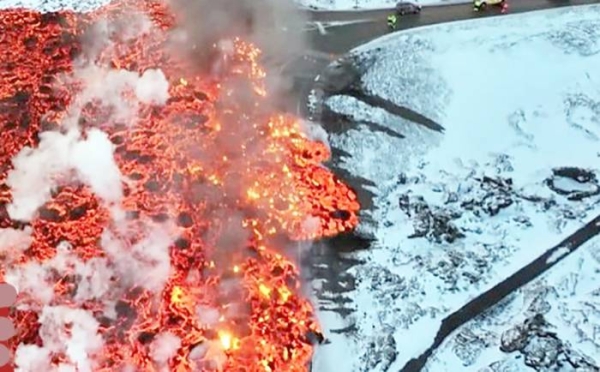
[341,39]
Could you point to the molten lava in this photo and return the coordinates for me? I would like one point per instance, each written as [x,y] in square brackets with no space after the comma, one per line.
[200,161]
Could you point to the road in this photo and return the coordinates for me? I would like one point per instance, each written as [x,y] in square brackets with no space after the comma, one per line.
[343,38]
[368,25]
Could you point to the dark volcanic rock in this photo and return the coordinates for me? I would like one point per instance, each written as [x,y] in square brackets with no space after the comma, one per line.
[382,352]
[542,352]
[542,349]
[497,195]
[434,224]
[574,183]
[514,339]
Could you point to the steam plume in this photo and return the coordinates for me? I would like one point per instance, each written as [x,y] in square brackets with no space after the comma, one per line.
[86,155]
[275,26]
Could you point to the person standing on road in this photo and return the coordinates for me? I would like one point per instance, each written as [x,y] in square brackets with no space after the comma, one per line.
[392,21]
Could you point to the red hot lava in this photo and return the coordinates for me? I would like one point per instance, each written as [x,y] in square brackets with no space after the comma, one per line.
[224,179]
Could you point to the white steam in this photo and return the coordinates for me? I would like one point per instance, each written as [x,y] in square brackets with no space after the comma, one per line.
[84,156]
[110,85]
[87,157]
[315,132]
[210,354]
[152,87]
[163,348]
[36,170]
[13,242]
[72,332]
[207,316]
[32,358]
[33,280]
[146,264]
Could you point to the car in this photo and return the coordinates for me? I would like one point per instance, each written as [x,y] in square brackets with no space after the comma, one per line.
[405,7]
[483,4]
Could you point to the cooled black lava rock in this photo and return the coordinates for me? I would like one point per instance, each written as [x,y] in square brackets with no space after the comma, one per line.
[315,338]
[542,349]
[146,337]
[542,352]
[49,214]
[574,183]
[77,212]
[125,310]
[53,18]
[185,220]
[514,339]
[381,352]
[341,214]
[497,195]
[182,243]
[152,186]
[21,97]
[160,217]
[518,337]
[433,224]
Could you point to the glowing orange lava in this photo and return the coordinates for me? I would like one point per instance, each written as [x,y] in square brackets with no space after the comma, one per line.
[182,166]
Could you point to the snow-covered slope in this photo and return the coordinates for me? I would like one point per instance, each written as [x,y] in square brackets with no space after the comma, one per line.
[519,98]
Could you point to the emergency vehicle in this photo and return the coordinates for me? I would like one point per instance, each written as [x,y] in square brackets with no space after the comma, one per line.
[479,5]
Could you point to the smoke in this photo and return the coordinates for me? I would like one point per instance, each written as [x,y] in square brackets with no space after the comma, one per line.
[109,85]
[83,156]
[275,26]
[36,170]
[32,358]
[315,132]
[146,264]
[210,355]
[78,343]
[100,37]
[86,155]
[13,242]
[163,348]
[205,30]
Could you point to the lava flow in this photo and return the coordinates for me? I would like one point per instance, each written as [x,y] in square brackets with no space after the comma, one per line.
[181,265]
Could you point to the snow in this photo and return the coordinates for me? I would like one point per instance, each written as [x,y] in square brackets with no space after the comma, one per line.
[568,184]
[518,97]
[334,355]
[54,5]
[567,297]
[345,5]
[558,254]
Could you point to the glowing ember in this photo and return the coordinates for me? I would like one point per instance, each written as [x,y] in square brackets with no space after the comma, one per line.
[212,181]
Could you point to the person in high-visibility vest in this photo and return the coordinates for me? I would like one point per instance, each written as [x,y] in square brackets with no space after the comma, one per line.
[392,21]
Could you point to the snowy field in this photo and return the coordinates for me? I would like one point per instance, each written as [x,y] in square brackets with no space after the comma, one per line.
[342,5]
[54,5]
[458,211]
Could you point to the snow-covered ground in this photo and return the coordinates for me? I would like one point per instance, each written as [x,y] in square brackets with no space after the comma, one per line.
[518,96]
[342,5]
[54,5]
